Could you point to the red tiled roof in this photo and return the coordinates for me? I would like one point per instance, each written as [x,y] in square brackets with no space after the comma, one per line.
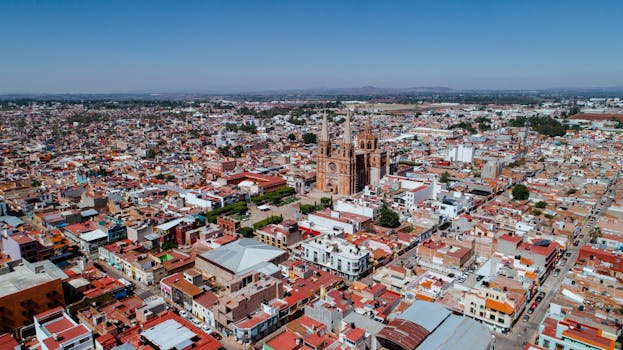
[355,334]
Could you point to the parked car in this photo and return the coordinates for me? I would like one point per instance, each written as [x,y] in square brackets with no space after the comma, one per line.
[542,294]
[183,313]
[526,318]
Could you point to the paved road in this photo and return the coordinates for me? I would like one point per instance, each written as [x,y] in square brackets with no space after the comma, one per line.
[524,332]
[140,290]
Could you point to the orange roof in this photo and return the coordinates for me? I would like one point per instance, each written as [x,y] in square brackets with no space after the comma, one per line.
[531,275]
[498,306]
[591,339]
[424,297]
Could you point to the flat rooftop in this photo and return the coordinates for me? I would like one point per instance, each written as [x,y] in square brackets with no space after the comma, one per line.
[27,275]
[169,334]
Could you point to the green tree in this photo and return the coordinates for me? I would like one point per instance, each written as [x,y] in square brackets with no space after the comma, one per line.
[224,151]
[151,153]
[237,150]
[445,177]
[246,231]
[307,208]
[169,245]
[35,183]
[309,138]
[540,205]
[326,202]
[389,218]
[291,137]
[520,192]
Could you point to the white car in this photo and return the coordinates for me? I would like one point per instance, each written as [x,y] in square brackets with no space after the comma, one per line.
[183,313]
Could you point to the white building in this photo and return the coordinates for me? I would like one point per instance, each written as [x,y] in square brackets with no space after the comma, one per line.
[360,206]
[460,153]
[56,330]
[338,222]
[337,255]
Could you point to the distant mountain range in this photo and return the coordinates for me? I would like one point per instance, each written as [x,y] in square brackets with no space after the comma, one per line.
[364,91]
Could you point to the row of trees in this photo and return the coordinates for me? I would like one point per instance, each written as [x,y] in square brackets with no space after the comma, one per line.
[325,202]
[250,128]
[239,208]
[543,125]
[275,219]
[274,197]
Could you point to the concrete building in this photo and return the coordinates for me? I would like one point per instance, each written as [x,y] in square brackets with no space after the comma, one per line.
[328,220]
[244,296]
[56,330]
[27,289]
[460,153]
[23,246]
[282,236]
[558,331]
[235,259]
[338,256]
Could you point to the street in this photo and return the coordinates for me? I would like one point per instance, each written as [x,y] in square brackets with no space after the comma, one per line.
[527,331]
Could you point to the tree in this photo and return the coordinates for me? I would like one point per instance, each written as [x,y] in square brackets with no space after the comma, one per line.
[151,153]
[326,202]
[520,192]
[224,151]
[291,137]
[309,138]
[445,177]
[540,205]
[246,231]
[35,183]
[237,150]
[169,245]
[389,218]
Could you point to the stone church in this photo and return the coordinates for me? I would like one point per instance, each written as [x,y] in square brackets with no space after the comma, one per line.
[345,169]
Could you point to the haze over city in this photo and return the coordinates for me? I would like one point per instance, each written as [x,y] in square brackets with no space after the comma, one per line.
[241,46]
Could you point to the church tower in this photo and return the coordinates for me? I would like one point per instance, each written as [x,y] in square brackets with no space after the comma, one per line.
[348,179]
[324,154]
[336,169]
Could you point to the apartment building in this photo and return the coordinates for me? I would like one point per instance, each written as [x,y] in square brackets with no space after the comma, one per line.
[282,236]
[338,256]
[56,330]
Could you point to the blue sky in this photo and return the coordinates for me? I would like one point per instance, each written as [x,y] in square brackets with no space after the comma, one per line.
[135,46]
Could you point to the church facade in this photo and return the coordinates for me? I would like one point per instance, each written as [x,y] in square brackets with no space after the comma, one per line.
[343,168]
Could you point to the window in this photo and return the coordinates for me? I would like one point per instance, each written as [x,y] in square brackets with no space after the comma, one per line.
[492,317]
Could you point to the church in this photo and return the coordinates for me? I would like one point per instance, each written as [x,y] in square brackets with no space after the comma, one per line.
[345,169]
